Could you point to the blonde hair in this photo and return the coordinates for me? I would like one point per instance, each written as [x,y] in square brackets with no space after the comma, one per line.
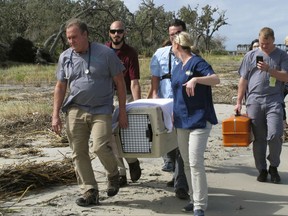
[184,39]
[266,33]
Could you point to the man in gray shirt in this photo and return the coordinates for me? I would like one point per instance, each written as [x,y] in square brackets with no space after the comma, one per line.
[89,70]
[263,72]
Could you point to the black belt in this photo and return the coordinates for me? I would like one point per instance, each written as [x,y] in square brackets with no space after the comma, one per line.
[166,76]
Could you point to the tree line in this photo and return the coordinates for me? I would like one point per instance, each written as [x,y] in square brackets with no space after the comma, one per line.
[39,24]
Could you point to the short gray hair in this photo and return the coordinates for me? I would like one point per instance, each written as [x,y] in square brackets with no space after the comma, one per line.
[79,23]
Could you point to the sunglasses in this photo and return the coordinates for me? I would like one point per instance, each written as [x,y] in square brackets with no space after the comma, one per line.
[119,31]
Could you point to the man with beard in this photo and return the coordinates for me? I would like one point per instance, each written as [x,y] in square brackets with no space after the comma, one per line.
[129,58]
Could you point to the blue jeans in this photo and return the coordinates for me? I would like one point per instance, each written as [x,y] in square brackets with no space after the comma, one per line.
[170,157]
[179,176]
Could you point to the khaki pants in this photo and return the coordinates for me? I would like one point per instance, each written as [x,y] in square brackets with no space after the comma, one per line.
[80,126]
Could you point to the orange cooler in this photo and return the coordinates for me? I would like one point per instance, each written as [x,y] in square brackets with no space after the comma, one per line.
[236,131]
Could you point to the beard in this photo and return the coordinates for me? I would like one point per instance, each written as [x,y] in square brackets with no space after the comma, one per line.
[117,42]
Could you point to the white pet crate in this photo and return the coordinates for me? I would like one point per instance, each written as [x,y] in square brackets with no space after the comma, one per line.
[146,136]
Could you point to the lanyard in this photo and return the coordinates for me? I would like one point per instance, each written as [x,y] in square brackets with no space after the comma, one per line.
[87,71]
[168,75]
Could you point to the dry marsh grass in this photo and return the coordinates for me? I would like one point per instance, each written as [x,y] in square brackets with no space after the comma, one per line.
[31,175]
[28,75]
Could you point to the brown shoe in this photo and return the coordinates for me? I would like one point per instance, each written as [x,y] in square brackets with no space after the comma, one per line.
[135,171]
[113,185]
[90,197]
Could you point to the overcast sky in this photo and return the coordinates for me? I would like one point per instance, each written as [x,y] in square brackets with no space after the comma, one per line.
[245,17]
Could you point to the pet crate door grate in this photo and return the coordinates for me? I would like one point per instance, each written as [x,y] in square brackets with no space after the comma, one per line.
[137,138]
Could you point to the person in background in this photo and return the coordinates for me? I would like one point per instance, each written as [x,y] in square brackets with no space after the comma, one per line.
[286,43]
[285,125]
[165,43]
[90,71]
[129,58]
[162,63]
[254,44]
[262,82]
[194,115]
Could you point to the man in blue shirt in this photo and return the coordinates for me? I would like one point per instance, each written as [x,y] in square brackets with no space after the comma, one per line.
[161,66]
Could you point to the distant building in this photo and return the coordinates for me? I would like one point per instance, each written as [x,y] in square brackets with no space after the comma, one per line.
[242,49]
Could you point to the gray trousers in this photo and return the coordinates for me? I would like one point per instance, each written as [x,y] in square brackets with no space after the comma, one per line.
[267,127]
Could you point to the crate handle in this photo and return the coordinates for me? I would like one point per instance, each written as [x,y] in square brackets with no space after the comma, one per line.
[237,113]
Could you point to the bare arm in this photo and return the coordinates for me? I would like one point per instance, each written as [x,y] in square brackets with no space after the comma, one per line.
[59,95]
[135,89]
[211,80]
[279,75]
[242,87]
[121,93]
[155,82]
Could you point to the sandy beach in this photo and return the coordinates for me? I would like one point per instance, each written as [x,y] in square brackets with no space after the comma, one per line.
[231,174]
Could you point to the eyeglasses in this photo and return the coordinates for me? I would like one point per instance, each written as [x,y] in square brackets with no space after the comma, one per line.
[119,31]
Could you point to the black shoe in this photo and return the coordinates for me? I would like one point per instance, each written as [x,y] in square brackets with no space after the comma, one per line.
[170,183]
[262,176]
[181,194]
[135,171]
[90,197]
[188,208]
[275,178]
[168,167]
[122,181]
[113,185]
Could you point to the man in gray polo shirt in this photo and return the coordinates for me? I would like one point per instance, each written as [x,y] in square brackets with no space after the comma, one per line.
[89,71]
